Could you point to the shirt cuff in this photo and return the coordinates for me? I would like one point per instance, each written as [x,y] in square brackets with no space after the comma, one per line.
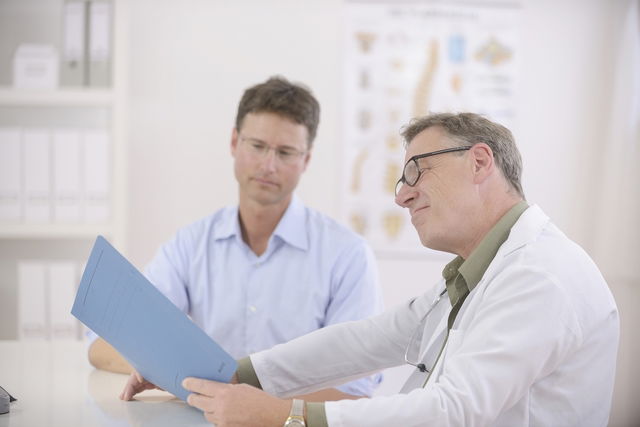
[246,373]
[316,416]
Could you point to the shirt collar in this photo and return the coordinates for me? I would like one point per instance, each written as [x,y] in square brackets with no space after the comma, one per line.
[292,227]
[456,287]
[473,268]
[228,225]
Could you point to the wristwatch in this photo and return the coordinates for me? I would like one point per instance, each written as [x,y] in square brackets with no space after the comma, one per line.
[296,416]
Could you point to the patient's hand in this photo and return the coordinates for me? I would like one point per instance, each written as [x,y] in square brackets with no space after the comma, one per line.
[136,384]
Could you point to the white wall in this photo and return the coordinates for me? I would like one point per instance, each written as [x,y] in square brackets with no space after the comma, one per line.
[190,60]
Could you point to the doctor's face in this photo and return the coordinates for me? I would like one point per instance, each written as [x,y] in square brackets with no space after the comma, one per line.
[271,152]
[440,200]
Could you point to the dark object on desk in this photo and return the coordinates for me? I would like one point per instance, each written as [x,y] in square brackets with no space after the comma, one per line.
[11,398]
[5,399]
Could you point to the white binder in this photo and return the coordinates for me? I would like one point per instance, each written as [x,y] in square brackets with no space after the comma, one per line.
[100,13]
[37,176]
[73,65]
[97,178]
[32,297]
[62,290]
[67,194]
[10,175]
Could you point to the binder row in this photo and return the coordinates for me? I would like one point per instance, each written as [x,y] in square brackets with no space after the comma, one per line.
[54,176]
[86,51]
[46,291]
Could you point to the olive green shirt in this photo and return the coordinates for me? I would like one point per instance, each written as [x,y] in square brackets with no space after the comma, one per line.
[461,277]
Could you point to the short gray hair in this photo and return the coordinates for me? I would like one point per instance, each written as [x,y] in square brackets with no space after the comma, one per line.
[466,129]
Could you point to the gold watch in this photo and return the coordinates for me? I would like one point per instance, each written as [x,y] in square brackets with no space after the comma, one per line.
[296,416]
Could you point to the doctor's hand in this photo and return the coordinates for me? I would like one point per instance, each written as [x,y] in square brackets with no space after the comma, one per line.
[136,384]
[236,405]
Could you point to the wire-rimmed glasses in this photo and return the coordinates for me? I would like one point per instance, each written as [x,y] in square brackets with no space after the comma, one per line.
[411,171]
[260,149]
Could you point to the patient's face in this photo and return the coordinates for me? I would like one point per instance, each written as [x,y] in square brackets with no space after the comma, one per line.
[264,173]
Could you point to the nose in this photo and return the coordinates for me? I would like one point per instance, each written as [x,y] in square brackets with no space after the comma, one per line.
[269,159]
[404,195]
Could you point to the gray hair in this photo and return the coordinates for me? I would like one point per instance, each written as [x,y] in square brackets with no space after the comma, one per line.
[466,129]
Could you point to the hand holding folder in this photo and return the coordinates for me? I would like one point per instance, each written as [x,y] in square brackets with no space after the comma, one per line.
[119,304]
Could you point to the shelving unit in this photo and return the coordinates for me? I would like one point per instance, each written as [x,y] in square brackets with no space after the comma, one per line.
[57,98]
[54,231]
[84,108]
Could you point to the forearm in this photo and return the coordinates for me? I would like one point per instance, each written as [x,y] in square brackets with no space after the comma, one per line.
[333,355]
[103,356]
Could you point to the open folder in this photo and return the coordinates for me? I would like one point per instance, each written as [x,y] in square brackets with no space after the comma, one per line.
[119,304]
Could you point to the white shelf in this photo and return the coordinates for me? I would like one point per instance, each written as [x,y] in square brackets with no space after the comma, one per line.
[53,231]
[56,97]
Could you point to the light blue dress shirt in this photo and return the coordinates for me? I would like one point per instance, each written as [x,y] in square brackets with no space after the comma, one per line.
[314,272]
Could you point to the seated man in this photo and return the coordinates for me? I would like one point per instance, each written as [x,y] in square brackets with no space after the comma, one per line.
[526,332]
[270,269]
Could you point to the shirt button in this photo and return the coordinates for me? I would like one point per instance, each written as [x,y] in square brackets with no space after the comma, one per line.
[253,308]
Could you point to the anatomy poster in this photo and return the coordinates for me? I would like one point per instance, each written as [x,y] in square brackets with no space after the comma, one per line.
[404,60]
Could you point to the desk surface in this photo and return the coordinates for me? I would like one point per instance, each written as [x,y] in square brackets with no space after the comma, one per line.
[56,386]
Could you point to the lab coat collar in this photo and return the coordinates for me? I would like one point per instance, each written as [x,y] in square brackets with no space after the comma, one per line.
[526,229]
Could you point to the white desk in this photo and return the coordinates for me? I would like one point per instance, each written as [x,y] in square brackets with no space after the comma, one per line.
[56,386]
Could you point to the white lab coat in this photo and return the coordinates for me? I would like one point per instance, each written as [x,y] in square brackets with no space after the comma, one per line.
[535,344]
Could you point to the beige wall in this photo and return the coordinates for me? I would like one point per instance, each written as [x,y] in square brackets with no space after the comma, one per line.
[190,60]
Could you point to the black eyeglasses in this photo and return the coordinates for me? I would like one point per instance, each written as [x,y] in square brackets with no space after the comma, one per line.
[411,172]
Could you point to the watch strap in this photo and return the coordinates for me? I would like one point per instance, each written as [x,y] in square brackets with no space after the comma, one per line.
[296,415]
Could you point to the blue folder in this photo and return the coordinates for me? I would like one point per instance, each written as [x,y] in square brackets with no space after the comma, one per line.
[119,304]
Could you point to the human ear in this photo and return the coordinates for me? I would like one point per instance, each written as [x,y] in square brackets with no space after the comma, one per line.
[234,141]
[307,157]
[483,162]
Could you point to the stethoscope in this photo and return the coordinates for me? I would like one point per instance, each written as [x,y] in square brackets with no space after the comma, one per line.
[421,366]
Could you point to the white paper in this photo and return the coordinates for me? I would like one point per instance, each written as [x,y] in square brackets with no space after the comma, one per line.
[62,290]
[32,297]
[37,177]
[100,31]
[66,176]
[35,67]
[74,31]
[10,175]
[96,164]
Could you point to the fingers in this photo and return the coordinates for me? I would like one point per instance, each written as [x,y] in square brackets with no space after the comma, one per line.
[201,402]
[135,384]
[131,388]
[127,392]
[201,386]
[205,395]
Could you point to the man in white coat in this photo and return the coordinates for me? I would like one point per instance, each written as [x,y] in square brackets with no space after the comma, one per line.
[522,329]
